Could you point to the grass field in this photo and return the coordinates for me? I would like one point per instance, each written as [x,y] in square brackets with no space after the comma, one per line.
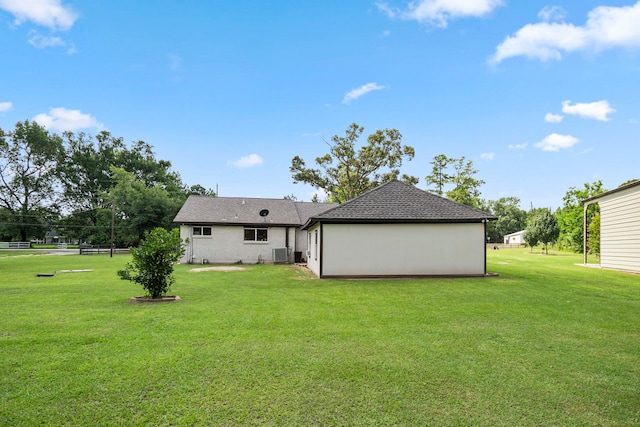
[544,343]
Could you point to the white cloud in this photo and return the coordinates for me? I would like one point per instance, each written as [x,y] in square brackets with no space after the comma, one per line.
[362,90]
[439,12]
[42,42]
[6,106]
[518,146]
[552,13]
[62,119]
[487,156]
[607,27]
[598,110]
[47,13]
[248,161]
[553,118]
[555,142]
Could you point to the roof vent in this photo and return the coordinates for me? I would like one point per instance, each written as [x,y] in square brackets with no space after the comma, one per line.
[264,212]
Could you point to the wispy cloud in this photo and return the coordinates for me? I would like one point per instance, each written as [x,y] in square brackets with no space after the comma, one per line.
[607,27]
[556,142]
[360,91]
[487,156]
[46,13]
[248,161]
[518,146]
[553,118]
[61,119]
[6,106]
[598,110]
[439,12]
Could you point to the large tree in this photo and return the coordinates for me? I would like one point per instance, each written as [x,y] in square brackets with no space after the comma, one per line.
[570,216]
[346,171]
[87,178]
[28,179]
[510,217]
[139,208]
[459,176]
[544,226]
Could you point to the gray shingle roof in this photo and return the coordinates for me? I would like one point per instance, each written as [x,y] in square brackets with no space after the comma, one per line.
[396,201]
[246,211]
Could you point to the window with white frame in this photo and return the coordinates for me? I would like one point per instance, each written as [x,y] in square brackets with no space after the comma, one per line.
[201,231]
[256,234]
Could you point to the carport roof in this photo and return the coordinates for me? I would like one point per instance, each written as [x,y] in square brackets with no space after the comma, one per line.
[396,202]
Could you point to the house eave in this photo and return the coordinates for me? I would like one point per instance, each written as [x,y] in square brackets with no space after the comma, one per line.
[313,221]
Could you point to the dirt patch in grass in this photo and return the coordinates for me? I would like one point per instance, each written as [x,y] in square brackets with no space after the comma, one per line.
[218,268]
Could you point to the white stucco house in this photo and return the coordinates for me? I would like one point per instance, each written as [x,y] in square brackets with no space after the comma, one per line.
[247,230]
[619,227]
[397,230]
[516,238]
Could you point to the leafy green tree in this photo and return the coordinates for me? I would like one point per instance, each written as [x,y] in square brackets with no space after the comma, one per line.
[439,176]
[346,172]
[544,227]
[199,190]
[28,179]
[87,180]
[571,215]
[530,237]
[459,175]
[510,217]
[139,208]
[152,263]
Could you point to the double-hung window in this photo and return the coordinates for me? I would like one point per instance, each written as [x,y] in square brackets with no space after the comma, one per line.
[256,234]
[201,231]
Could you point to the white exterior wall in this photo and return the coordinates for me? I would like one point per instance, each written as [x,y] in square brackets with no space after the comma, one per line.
[313,259]
[514,238]
[620,230]
[226,245]
[401,249]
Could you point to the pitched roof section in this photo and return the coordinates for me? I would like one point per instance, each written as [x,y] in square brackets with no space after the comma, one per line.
[396,201]
[246,211]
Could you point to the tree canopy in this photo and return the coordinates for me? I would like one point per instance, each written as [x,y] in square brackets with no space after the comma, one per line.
[570,215]
[457,174]
[64,183]
[346,171]
[28,179]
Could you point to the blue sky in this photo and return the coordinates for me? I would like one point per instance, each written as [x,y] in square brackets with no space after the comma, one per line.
[540,95]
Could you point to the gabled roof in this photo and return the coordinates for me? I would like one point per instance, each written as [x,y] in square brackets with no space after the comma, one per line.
[246,211]
[397,202]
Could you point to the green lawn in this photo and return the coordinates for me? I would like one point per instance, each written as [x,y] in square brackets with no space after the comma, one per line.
[544,343]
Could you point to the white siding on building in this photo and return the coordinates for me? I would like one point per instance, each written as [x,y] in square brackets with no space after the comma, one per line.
[400,249]
[226,245]
[620,230]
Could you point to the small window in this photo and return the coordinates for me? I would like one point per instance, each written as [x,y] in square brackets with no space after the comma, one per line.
[202,231]
[256,235]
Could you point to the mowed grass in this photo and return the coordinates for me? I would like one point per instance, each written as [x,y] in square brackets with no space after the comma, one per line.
[544,343]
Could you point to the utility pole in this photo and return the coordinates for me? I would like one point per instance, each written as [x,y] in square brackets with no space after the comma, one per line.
[113,226]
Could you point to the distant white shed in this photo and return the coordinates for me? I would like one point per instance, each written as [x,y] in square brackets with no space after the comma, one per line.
[516,238]
[619,227]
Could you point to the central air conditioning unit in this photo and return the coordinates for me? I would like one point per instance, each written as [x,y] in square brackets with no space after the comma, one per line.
[280,255]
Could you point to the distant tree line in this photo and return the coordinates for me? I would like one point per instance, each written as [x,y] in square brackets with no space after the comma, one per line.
[347,171]
[83,187]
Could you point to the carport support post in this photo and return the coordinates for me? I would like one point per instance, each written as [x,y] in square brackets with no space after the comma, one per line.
[584,233]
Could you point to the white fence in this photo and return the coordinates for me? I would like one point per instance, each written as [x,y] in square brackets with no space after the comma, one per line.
[15,245]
